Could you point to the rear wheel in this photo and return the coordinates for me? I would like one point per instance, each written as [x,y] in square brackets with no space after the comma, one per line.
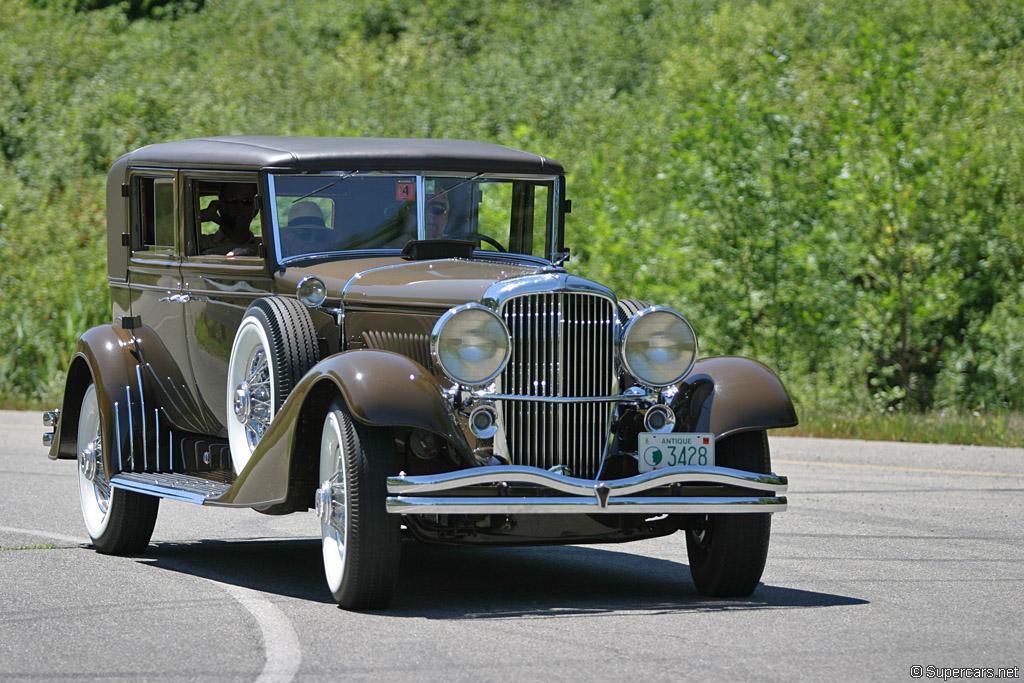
[727,552]
[361,541]
[119,522]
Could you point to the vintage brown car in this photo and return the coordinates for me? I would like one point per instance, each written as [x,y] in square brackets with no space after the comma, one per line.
[383,330]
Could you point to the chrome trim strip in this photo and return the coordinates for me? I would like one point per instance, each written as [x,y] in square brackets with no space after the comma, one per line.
[156,428]
[651,505]
[117,435]
[567,399]
[142,414]
[497,474]
[181,406]
[131,427]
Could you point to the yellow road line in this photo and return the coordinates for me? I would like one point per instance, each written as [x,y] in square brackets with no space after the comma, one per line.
[898,469]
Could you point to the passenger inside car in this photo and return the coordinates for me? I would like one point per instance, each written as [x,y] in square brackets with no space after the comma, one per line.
[306,231]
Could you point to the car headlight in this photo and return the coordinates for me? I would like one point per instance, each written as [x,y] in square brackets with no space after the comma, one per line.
[659,347]
[470,343]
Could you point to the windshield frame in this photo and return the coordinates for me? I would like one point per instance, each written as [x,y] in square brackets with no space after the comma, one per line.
[551,232]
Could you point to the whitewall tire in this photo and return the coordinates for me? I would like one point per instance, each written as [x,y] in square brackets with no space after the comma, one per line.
[274,347]
[360,540]
[118,522]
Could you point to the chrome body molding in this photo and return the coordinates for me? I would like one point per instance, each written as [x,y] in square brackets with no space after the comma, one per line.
[563,505]
[525,398]
[417,494]
[174,486]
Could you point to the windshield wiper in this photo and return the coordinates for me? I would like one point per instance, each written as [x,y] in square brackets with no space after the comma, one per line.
[455,186]
[325,187]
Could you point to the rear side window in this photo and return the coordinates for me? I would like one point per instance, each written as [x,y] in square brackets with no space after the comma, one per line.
[154,214]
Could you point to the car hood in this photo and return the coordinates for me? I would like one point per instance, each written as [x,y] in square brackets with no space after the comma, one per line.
[385,281]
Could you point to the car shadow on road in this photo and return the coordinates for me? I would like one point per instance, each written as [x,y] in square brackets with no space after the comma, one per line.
[483,583]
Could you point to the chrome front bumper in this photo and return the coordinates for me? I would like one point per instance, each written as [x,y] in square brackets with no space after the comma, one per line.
[530,490]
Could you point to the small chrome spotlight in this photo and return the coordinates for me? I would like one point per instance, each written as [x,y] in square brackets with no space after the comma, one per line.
[659,418]
[483,421]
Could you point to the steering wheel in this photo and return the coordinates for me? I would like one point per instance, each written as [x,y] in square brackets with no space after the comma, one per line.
[488,239]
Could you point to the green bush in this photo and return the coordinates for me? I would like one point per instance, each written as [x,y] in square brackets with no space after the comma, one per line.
[833,188]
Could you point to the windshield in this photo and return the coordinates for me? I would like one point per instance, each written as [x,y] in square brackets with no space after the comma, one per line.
[347,211]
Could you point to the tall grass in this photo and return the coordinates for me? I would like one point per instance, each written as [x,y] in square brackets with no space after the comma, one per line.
[975,428]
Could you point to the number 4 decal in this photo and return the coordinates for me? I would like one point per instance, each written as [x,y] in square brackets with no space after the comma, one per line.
[405,191]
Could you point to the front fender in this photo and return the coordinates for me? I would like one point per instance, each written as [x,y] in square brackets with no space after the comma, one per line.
[380,388]
[725,395]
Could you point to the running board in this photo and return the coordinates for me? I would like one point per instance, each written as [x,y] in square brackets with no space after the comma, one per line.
[174,486]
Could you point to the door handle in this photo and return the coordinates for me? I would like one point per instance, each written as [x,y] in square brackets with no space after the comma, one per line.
[183,298]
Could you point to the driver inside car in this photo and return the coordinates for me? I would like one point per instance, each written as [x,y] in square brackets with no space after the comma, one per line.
[438,210]
[232,211]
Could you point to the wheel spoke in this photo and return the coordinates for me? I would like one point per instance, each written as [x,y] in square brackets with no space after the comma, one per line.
[258,369]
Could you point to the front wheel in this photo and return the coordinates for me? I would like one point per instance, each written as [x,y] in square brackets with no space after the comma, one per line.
[727,552]
[361,541]
[119,522]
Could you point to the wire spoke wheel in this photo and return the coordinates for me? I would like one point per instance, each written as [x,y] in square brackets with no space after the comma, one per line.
[274,346]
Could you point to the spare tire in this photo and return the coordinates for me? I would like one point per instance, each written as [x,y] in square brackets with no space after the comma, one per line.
[629,307]
[274,347]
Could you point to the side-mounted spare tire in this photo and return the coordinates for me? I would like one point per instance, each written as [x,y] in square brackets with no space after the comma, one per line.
[627,308]
[274,347]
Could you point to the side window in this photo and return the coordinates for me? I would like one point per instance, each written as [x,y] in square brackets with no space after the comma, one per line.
[154,215]
[225,219]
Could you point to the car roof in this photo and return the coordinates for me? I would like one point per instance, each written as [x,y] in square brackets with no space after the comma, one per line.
[317,154]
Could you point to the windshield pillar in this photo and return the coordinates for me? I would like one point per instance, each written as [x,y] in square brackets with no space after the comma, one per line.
[421,207]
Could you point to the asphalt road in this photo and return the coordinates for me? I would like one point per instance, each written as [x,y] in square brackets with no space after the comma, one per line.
[890,556]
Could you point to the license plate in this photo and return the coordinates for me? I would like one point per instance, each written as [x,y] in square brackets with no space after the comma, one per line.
[658,451]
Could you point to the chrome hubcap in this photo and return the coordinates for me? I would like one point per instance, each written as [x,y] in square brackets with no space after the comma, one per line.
[324,503]
[87,462]
[330,503]
[242,404]
[90,464]
[330,497]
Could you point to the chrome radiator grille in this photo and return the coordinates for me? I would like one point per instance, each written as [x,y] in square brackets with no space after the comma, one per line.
[563,344]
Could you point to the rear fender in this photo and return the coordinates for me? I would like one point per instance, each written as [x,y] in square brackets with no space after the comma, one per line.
[380,388]
[148,413]
[726,395]
[105,356]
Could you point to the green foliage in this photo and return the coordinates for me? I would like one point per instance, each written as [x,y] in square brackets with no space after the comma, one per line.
[832,188]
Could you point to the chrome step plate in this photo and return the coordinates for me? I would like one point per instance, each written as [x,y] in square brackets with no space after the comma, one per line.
[174,486]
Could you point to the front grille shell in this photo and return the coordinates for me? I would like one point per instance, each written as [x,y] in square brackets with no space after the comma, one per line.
[564,346]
